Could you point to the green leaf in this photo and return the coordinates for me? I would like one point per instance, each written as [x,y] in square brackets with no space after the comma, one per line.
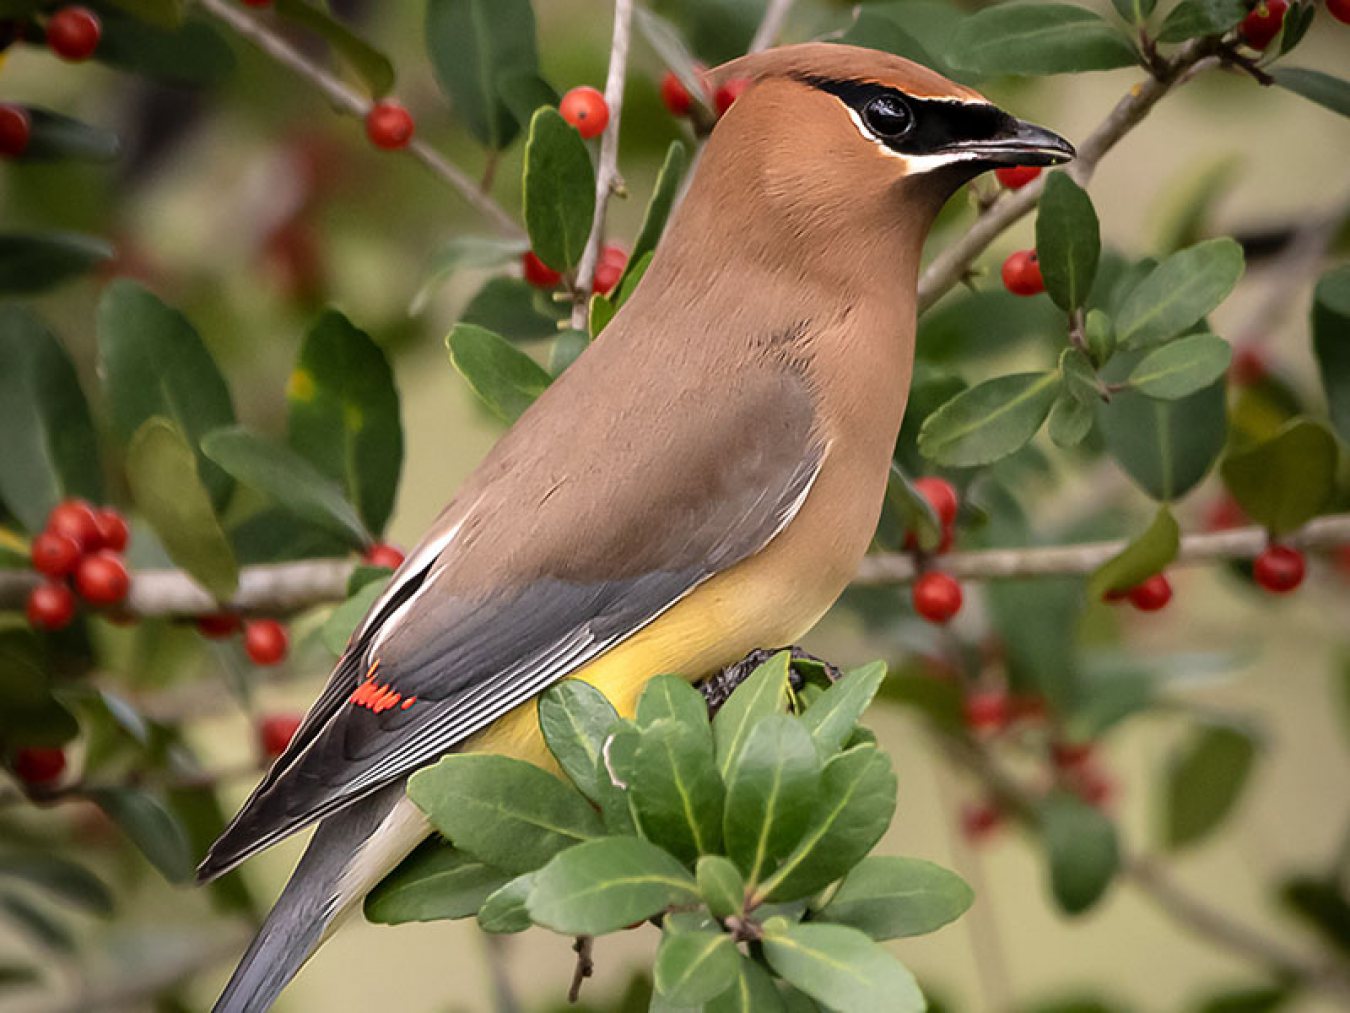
[29,714]
[504,910]
[524,91]
[559,193]
[1068,241]
[989,421]
[501,810]
[567,348]
[1100,335]
[153,363]
[772,791]
[35,922]
[436,881]
[1140,559]
[1179,292]
[614,777]
[336,632]
[693,967]
[465,253]
[504,378]
[889,897]
[1297,20]
[160,13]
[1285,481]
[753,991]
[1033,38]
[193,54]
[721,885]
[1182,367]
[149,826]
[669,696]
[1331,343]
[60,878]
[1134,11]
[473,46]
[667,188]
[370,65]
[599,312]
[857,801]
[31,261]
[604,885]
[1080,379]
[287,478]
[49,451]
[162,474]
[1192,18]
[762,694]
[1080,843]
[831,719]
[575,718]
[633,275]
[1205,778]
[59,137]
[912,509]
[515,309]
[344,415]
[675,788]
[1070,421]
[841,968]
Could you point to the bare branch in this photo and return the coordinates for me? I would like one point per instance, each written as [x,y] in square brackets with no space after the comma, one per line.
[771,25]
[351,101]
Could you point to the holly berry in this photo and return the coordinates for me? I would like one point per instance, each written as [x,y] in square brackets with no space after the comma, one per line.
[39,765]
[218,625]
[537,273]
[73,33]
[728,93]
[1091,785]
[941,496]
[102,578]
[1340,10]
[265,641]
[937,596]
[986,710]
[1152,595]
[1224,514]
[1070,755]
[384,555]
[16,129]
[1022,273]
[1014,177]
[1259,28]
[389,125]
[1279,569]
[51,606]
[979,820]
[586,109]
[54,554]
[609,268]
[113,532]
[1249,366]
[276,731]
[76,520]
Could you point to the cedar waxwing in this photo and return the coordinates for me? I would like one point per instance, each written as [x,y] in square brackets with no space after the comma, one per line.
[702,481]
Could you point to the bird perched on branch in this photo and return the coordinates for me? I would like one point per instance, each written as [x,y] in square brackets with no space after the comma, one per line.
[702,481]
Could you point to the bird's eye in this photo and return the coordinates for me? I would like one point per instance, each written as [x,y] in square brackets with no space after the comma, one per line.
[887,116]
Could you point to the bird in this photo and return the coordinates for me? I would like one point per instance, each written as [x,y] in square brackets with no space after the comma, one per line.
[701,482]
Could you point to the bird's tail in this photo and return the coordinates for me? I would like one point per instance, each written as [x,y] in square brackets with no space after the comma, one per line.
[349,853]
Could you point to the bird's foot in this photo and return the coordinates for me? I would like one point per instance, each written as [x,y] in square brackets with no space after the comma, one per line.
[719,686]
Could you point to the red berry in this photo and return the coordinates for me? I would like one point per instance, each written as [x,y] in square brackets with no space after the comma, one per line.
[1259,28]
[1070,755]
[1022,273]
[728,93]
[609,268]
[39,765]
[218,625]
[1279,569]
[76,520]
[389,125]
[1340,10]
[102,578]
[1152,594]
[276,731]
[54,554]
[1014,177]
[1029,707]
[675,95]
[383,555]
[73,33]
[941,497]
[537,273]
[979,820]
[1224,514]
[15,130]
[265,641]
[51,606]
[937,596]
[586,109]
[1249,366]
[986,710]
[112,529]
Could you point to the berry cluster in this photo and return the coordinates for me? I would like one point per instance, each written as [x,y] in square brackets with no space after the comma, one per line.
[265,640]
[676,98]
[82,547]
[936,595]
[609,268]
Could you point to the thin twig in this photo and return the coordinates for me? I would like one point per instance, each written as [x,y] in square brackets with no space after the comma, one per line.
[607,173]
[771,25]
[583,947]
[351,101]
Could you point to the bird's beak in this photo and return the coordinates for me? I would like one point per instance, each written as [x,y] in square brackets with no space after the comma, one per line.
[1020,143]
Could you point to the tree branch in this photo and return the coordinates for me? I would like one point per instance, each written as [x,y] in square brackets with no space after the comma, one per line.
[351,101]
[953,264]
[771,25]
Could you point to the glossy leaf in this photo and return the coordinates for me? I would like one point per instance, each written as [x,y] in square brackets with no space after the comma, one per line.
[1134,11]
[514,309]
[1081,846]
[1068,241]
[32,261]
[1100,335]
[55,136]
[676,789]
[150,827]
[989,421]
[1037,38]
[832,718]
[721,885]
[504,910]
[753,991]
[504,378]
[1080,379]
[607,884]
[372,66]
[889,897]
[669,696]
[344,415]
[762,694]
[1205,779]
[772,791]
[1182,367]
[1287,480]
[1192,18]
[162,473]
[1327,91]
[614,778]
[1331,343]
[1070,421]
[559,193]
[194,54]
[1179,292]
[465,253]
[1140,559]
[693,967]
[436,881]
[659,207]
[501,810]
[567,348]
[575,718]
[912,510]
[841,968]
[48,450]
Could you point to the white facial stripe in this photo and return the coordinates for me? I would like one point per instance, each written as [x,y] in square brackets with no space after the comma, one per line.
[914,164]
